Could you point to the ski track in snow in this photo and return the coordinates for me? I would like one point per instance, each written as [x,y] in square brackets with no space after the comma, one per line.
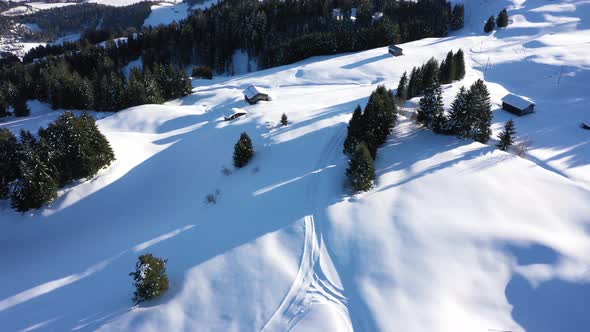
[312,286]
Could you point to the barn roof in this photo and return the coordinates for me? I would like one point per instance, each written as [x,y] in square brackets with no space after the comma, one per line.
[252,91]
[517,101]
[393,47]
[235,110]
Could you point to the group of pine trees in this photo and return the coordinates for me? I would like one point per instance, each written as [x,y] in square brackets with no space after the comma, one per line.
[431,74]
[32,168]
[367,130]
[501,21]
[470,115]
[101,89]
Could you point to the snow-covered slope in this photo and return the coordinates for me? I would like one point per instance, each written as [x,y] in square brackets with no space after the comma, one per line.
[456,235]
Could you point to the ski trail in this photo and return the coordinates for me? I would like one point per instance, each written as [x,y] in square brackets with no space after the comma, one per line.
[312,285]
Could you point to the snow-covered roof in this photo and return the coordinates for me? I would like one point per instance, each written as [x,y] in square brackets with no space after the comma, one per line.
[517,101]
[252,91]
[236,110]
[393,47]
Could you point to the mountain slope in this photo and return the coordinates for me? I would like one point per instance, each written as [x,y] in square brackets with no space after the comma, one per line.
[456,235]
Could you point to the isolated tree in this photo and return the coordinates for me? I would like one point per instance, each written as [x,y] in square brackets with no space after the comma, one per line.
[402,87]
[507,136]
[502,20]
[480,109]
[361,171]
[243,151]
[431,111]
[458,68]
[150,279]
[490,25]
[355,130]
[284,120]
[8,161]
[378,118]
[35,185]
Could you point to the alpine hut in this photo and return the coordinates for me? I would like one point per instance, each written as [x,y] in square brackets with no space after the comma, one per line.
[395,50]
[517,105]
[254,94]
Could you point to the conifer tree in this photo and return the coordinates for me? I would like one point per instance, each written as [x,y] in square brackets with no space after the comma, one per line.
[35,185]
[458,69]
[490,25]
[378,118]
[457,17]
[355,130]
[431,111]
[411,90]
[8,161]
[152,88]
[480,106]
[361,171]
[430,75]
[284,119]
[20,106]
[507,136]
[243,151]
[402,87]
[135,90]
[502,20]
[150,279]
[457,120]
[447,69]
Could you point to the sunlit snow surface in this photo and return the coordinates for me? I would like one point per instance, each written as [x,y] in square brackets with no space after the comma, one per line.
[456,235]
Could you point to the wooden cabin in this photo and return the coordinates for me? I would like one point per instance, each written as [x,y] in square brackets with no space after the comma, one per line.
[395,50]
[517,105]
[254,94]
[234,114]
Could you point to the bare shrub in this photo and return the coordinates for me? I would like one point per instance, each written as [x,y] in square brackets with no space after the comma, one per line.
[522,148]
[211,199]
[226,171]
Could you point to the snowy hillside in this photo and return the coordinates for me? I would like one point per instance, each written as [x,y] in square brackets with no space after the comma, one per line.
[455,236]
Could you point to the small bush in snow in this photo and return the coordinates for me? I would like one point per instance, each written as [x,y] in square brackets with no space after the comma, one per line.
[284,120]
[202,72]
[150,279]
[226,171]
[243,151]
[523,147]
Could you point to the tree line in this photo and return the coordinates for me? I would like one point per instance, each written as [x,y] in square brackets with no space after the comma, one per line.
[425,77]
[367,130]
[32,168]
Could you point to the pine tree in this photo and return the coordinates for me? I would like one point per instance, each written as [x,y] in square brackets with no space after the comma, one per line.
[361,171]
[430,75]
[447,69]
[457,17]
[480,106]
[152,88]
[135,90]
[458,68]
[150,279]
[284,120]
[35,185]
[355,130]
[507,136]
[8,161]
[431,111]
[502,20]
[243,151]
[457,120]
[490,25]
[412,88]
[402,87]
[20,106]
[378,118]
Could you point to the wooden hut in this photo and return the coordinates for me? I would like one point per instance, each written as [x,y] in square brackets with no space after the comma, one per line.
[234,114]
[517,105]
[395,50]
[254,94]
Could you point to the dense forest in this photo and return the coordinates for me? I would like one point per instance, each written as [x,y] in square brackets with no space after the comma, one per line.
[81,75]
